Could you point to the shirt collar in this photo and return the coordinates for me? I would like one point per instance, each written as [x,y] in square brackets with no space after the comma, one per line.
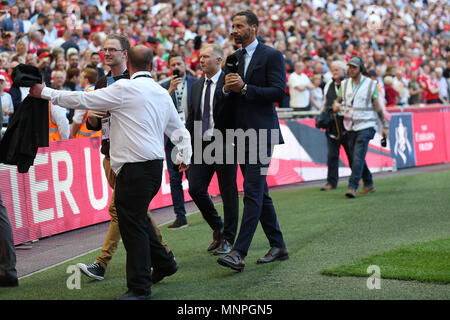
[215,78]
[146,73]
[251,47]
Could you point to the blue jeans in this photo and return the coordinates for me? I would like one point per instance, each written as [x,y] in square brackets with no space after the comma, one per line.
[176,187]
[359,144]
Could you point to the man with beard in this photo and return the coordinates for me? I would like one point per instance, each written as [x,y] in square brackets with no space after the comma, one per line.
[260,81]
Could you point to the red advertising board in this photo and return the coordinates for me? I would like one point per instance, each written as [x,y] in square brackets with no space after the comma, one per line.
[65,189]
[446,116]
[429,138]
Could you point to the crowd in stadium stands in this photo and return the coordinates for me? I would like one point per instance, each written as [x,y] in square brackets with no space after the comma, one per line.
[408,53]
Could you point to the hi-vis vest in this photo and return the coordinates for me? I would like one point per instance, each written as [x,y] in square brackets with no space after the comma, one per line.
[83,131]
[364,114]
[53,133]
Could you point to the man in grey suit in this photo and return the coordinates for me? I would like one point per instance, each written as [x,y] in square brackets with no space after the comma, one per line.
[207,107]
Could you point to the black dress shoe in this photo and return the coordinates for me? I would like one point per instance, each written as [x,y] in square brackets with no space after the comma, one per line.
[217,238]
[224,248]
[160,273]
[234,260]
[132,295]
[274,254]
[8,282]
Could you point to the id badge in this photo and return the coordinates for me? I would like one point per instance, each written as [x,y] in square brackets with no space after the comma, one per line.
[105,128]
[182,116]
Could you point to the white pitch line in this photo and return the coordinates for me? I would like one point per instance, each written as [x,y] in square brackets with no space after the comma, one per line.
[82,254]
[59,263]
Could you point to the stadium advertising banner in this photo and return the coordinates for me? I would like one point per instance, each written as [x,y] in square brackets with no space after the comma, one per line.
[401,139]
[429,138]
[446,116]
[66,188]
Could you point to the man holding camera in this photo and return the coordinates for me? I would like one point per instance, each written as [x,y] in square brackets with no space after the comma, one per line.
[179,87]
[358,99]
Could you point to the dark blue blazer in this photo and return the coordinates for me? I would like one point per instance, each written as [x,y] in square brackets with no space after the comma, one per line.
[222,117]
[189,81]
[266,84]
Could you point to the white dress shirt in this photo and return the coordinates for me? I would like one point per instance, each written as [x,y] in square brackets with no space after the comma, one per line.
[248,57]
[59,118]
[213,86]
[141,112]
[299,99]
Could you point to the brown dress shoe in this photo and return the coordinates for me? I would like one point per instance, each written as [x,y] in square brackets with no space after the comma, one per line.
[327,187]
[217,239]
[234,260]
[367,190]
[351,193]
[274,254]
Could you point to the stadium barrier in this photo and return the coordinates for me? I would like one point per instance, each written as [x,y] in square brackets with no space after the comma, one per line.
[66,188]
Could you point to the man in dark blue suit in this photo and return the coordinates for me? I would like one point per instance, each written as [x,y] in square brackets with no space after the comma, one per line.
[207,122]
[260,81]
[179,86]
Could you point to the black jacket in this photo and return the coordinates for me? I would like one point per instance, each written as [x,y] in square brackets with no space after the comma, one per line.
[28,129]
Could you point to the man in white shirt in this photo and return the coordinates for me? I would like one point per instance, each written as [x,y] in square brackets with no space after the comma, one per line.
[442,84]
[141,112]
[59,118]
[401,85]
[299,86]
[6,102]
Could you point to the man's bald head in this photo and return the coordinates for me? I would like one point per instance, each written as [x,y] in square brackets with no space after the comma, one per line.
[140,58]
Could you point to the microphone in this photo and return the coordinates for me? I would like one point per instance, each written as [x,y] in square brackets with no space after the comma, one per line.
[232,63]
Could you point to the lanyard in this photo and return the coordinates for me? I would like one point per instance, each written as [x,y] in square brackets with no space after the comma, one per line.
[143,76]
[356,90]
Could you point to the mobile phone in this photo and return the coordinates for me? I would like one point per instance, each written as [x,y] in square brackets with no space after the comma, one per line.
[176,73]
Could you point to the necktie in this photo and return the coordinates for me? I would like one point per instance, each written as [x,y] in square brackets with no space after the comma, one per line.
[241,66]
[206,107]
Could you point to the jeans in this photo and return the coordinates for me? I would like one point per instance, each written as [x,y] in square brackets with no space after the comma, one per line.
[176,187]
[359,144]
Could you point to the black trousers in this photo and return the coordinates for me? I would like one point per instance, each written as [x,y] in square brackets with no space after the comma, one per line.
[7,249]
[136,185]
[200,176]
[333,157]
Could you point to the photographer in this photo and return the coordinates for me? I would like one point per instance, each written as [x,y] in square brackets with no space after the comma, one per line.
[335,133]
[358,98]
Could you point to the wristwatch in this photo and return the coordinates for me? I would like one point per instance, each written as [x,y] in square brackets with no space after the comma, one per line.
[244,90]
